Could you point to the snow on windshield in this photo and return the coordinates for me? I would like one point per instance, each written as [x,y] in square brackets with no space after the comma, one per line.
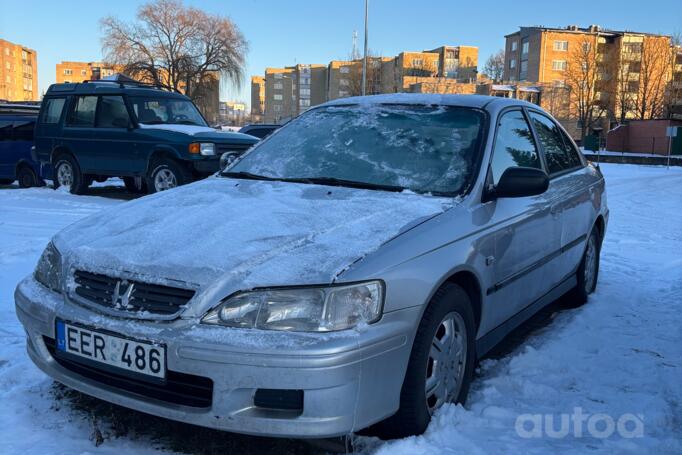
[422,148]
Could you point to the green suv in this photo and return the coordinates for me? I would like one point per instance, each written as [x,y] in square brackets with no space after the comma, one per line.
[152,138]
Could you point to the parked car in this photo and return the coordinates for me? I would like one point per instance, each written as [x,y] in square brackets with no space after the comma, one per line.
[152,138]
[260,130]
[17,122]
[347,272]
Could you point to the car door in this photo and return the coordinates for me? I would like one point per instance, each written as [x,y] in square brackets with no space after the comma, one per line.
[570,190]
[526,234]
[6,167]
[114,137]
[48,130]
[78,132]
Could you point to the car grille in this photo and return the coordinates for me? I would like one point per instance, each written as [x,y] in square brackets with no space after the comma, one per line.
[152,298]
[178,388]
[223,148]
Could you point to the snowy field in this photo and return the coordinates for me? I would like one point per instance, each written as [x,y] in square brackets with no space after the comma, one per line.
[606,378]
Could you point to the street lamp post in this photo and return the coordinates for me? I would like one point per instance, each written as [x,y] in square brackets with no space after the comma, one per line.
[364,59]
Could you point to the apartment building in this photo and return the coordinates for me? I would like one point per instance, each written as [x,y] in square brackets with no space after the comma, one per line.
[615,58]
[82,71]
[344,78]
[675,87]
[232,113]
[292,90]
[257,98]
[18,72]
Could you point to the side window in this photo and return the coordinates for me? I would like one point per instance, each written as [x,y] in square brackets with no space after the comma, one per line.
[558,154]
[23,130]
[52,110]
[514,145]
[5,130]
[83,112]
[112,113]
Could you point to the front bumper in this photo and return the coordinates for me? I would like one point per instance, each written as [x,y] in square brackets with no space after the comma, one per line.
[349,379]
[206,166]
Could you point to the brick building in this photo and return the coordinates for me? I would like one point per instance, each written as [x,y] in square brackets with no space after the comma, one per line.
[82,71]
[18,72]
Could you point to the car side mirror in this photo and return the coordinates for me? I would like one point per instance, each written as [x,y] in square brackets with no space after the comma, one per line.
[521,182]
[227,158]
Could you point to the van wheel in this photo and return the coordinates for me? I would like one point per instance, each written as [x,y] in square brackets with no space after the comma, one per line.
[27,178]
[588,272]
[441,364]
[135,185]
[68,174]
[166,174]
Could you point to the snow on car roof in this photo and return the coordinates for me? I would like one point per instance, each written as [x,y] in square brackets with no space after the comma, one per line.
[474,101]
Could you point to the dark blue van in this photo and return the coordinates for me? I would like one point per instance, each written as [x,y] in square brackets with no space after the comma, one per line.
[17,123]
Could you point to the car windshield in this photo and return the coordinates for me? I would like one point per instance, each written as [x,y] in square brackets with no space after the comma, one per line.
[426,149]
[165,110]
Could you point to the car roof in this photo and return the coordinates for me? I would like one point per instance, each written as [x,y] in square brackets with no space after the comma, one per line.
[104,87]
[473,101]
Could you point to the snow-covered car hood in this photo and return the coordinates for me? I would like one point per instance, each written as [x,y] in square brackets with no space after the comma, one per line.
[250,233]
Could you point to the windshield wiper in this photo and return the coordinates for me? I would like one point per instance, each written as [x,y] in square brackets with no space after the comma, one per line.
[332,181]
[247,175]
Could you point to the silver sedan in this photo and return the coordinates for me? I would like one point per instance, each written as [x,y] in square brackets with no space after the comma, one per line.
[347,271]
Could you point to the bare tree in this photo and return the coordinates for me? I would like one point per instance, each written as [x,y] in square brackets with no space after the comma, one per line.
[589,81]
[657,60]
[494,66]
[178,47]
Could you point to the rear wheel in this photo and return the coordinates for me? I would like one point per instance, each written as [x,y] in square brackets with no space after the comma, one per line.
[441,364]
[27,177]
[166,174]
[135,185]
[68,174]
[588,271]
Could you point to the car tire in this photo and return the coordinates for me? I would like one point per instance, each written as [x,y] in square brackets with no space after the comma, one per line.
[165,174]
[588,271]
[27,178]
[135,185]
[70,175]
[450,304]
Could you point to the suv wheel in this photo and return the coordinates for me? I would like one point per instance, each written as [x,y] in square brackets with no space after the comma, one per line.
[441,363]
[68,174]
[27,178]
[135,185]
[166,174]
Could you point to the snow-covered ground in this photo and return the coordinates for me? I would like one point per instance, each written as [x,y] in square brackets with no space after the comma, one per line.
[620,355]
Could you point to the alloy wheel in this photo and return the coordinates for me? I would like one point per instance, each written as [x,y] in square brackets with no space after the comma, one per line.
[65,174]
[164,180]
[446,362]
[590,264]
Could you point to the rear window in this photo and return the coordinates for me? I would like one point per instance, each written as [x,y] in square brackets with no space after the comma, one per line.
[52,110]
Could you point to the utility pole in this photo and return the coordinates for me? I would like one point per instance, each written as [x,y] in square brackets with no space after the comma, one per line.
[364,60]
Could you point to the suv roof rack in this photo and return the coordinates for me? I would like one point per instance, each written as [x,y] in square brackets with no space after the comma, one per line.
[123,80]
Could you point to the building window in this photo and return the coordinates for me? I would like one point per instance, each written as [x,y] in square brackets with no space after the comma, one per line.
[277,97]
[587,47]
[344,82]
[304,103]
[559,65]
[344,70]
[512,63]
[524,47]
[417,62]
[68,72]
[560,45]
[7,51]
[278,86]
[277,108]
[8,66]
[278,75]
[305,92]
[343,93]
[84,72]
[523,73]
[514,45]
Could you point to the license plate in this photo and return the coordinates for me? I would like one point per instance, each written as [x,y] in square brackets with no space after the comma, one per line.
[135,356]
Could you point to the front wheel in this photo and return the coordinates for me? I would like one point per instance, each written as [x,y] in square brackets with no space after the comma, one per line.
[166,174]
[441,363]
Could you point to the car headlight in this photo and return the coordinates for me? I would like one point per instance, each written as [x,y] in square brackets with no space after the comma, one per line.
[203,148]
[49,269]
[309,309]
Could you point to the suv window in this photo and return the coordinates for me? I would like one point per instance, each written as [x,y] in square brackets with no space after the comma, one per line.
[83,111]
[52,110]
[112,113]
[514,145]
[558,154]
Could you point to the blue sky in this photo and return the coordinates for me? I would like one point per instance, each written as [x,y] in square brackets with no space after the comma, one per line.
[306,31]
